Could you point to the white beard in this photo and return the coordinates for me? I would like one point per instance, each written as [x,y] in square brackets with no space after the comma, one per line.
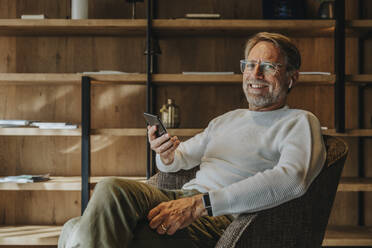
[272,97]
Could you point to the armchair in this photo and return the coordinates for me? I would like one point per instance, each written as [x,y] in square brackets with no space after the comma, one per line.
[298,223]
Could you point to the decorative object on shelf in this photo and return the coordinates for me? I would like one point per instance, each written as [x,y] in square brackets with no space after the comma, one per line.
[133,2]
[79,9]
[326,9]
[169,114]
[283,9]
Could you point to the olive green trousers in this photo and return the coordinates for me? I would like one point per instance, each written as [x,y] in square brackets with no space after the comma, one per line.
[116,217]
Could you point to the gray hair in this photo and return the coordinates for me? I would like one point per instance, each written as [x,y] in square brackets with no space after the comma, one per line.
[291,54]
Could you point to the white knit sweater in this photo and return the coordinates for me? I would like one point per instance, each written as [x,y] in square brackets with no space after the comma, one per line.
[252,160]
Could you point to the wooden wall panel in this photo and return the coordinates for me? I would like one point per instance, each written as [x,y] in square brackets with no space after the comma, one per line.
[8,9]
[118,156]
[80,54]
[8,54]
[23,207]
[52,9]
[58,156]
[118,106]
[200,104]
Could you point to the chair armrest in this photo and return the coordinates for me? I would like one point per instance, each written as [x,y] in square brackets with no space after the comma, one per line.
[174,180]
[235,230]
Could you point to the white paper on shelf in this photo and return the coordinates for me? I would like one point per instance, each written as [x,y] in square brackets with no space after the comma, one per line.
[109,72]
[324,128]
[208,73]
[38,124]
[33,17]
[14,122]
[314,73]
[24,179]
[203,15]
[59,127]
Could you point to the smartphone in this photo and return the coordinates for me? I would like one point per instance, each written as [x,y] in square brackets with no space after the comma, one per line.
[153,120]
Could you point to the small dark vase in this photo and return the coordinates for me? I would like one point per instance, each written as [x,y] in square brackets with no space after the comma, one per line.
[326,10]
[283,9]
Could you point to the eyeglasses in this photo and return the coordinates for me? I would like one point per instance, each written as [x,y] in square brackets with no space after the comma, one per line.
[267,68]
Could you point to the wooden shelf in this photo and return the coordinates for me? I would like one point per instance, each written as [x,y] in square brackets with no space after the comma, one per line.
[359,24]
[34,131]
[73,27]
[350,184]
[58,184]
[348,236]
[359,79]
[160,79]
[349,133]
[163,26]
[164,79]
[69,78]
[48,235]
[193,131]
[241,27]
[29,235]
[143,131]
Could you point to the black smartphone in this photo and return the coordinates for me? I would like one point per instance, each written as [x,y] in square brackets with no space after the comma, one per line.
[153,120]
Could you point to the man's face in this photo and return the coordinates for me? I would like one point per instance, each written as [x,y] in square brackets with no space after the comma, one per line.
[265,91]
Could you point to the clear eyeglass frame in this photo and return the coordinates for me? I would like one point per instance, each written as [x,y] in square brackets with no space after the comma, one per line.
[267,68]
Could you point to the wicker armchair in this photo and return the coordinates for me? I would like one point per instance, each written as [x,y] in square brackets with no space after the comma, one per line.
[298,223]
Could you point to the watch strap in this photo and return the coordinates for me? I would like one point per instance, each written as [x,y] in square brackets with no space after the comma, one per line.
[207,204]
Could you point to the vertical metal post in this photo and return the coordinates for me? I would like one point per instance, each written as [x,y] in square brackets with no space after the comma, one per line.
[85,142]
[361,161]
[340,66]
[148,83]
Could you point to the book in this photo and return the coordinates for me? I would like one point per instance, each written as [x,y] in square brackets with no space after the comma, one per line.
[314,73]
[33,17]
[14,123]
[53,125]
[203,16]
[208,73]
[25,179]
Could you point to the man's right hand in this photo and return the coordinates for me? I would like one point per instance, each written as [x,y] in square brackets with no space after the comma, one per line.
[164,145]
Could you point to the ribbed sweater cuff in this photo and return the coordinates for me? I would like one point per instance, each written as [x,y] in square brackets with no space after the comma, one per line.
[166,168]
[220,202]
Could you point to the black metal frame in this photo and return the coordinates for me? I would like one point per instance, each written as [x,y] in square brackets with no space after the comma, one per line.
[340,66]
[361,171]
[85,142]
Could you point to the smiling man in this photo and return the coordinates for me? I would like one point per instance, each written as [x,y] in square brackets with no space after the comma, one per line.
[250,160]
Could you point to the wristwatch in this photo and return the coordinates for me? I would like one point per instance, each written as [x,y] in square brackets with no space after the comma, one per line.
[207,204]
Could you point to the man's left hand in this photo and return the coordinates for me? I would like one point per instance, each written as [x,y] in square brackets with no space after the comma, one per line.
[168,217]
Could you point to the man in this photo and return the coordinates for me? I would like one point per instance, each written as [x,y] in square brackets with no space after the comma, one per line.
[250,160]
